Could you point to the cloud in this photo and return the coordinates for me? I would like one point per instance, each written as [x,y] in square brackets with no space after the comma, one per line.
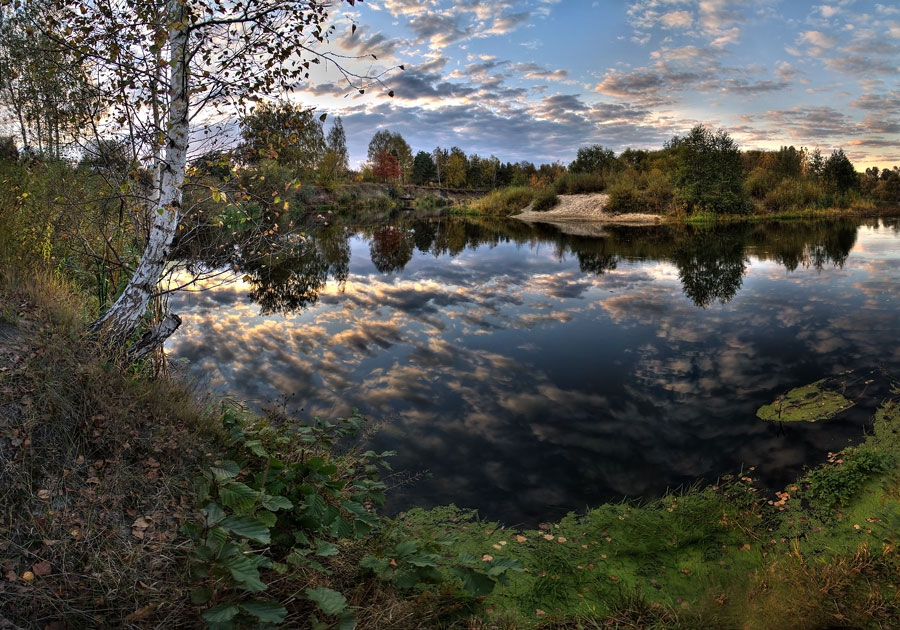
[677,19]
[531,70]
[817,38]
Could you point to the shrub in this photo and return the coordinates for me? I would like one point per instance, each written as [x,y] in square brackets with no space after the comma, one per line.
[633,191]
[544,200]
[624,199]
[580,183]
[792,194]
[505,201]
[759,181]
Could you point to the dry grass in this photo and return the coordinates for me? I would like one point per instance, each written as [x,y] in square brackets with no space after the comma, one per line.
[94,469]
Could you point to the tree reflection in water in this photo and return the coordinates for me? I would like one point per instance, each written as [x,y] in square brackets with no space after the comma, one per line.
[710,261]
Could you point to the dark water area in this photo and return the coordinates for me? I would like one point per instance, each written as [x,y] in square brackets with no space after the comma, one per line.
[526,373]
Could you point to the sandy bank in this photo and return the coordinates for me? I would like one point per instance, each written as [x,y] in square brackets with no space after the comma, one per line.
[586,208]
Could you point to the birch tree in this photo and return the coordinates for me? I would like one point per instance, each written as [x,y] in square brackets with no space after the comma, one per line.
[170,70]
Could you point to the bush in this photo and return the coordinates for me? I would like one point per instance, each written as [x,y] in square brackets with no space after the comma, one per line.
[633,191]
[708,174]
[544,200]
[759,182]
[505,201]
[792,194]
[580,183]
[624,199]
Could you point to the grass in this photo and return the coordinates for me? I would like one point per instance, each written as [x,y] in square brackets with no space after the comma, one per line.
[86,451]
[95,470]
[504,201]
[822,553]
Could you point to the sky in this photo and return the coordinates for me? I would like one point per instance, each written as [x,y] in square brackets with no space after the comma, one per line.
[537,79]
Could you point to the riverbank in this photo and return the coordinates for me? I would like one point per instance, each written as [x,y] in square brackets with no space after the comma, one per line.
[586,208]
[100,504]
[585,214]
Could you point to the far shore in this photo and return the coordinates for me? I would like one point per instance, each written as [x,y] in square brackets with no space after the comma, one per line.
[585,215]
[590,208]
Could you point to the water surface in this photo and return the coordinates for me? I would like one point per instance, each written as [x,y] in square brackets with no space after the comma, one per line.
[526,373]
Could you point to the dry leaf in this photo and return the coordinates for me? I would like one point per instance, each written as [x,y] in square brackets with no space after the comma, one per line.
[42,568]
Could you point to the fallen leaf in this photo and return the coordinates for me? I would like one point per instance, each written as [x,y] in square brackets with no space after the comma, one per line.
[42,568]
[140,613]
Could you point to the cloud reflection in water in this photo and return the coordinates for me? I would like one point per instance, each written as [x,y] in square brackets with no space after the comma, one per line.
[534,373]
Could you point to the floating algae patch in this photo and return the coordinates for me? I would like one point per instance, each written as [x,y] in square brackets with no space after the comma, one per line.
[810,403]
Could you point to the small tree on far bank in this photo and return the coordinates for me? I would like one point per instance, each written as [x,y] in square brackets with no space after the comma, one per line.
[707,172]
[593,159]
[424,170]
[839,174]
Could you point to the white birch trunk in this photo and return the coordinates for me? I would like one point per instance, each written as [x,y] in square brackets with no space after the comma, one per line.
[122,319]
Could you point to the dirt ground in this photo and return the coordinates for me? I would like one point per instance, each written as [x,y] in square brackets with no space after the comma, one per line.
[586,209]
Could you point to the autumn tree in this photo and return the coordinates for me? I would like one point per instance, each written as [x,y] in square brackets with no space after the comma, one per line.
[385,167]
[386,143]
[455,171]
[284,132]
[168,70]
[44,87]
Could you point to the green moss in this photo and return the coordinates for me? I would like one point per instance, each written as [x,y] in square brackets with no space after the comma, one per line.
[810,403]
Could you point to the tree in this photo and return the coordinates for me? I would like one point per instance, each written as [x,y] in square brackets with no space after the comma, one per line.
[385,142]
[43,86]
[593,159]
[788,162]
[816,163]
[336,144]
[637,159]
[455,171]
[290,134]
[385,167]
[423,170]
[707,170]
[838,172]
[441,156]
[163,64]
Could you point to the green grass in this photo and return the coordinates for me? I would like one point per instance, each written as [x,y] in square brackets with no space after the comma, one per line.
[810,403]
[820,552]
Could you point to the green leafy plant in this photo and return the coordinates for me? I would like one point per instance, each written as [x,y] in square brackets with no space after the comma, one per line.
[281,504]
[835,484]
[429,558]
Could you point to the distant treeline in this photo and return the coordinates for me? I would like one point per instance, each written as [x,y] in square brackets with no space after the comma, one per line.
[704,171]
